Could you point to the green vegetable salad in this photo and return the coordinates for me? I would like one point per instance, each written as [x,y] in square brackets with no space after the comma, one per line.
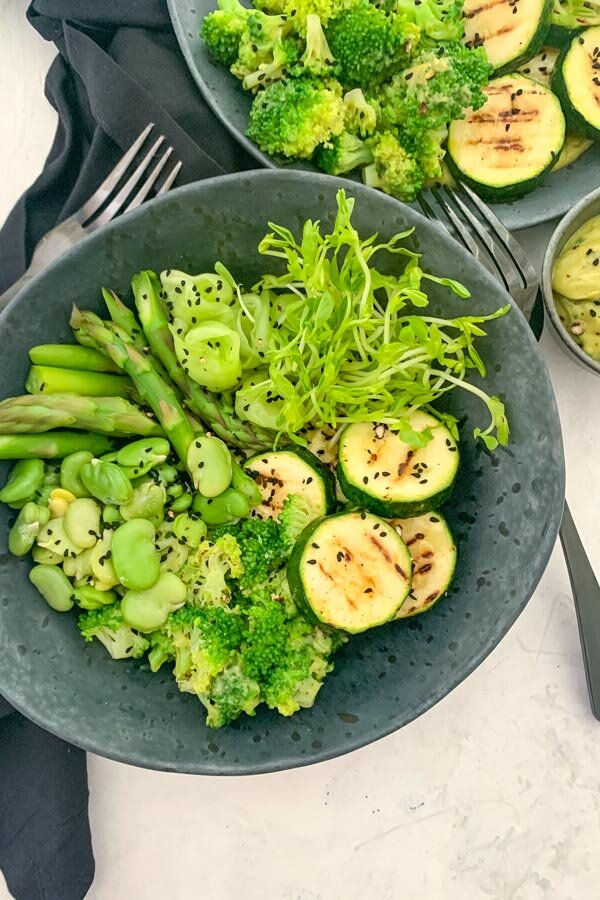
[353,83]
[229,482]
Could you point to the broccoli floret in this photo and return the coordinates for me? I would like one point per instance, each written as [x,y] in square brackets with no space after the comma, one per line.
[300,10]
[437,89]
[284,55]
[208,570]
[393,169]
[439,20]
[291,118]
[266,639]
[231,694]
[295,682]
[263,547]
[295,516]
[342,154]
[161,649]
[222,31]
[370,45]
[107,626]
[204,641]
[263,44]
[360,117]
[317,58]
[273,7]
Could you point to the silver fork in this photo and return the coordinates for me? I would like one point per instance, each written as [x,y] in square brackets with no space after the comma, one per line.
[114,196]
[467,218]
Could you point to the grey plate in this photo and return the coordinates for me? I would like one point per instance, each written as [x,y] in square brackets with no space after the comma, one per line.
[505,515]
[232,105]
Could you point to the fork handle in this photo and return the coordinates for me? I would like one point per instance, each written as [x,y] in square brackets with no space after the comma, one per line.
[586,594]
[14,289]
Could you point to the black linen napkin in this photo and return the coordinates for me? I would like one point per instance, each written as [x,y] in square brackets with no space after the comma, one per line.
[118,68]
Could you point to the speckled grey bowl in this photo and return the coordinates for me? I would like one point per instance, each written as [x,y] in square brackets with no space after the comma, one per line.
[231,104]
[506,510]
[581,213]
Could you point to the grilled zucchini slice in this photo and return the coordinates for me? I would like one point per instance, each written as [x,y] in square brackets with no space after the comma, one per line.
[292,470]
[379,472]
[512,31]
[576,81]
[351,571]
[503,149]
[433,552]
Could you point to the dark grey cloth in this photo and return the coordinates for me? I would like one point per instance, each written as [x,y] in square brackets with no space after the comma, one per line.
[118,68]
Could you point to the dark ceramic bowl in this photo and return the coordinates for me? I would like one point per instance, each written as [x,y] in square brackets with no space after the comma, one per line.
[231,103]
[505,513]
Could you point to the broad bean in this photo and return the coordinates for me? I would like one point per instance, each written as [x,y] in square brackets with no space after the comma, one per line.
[44,557]
[181,503]
[147,502]
[70,472]
[209,462]
[134,556]
[82,522]
[88,597]
[141,456]
[148,610]
[173,555]
[59,502]
[106,482]
[54,537]
[111,514]
[227,507]
[245,484]
[189,529]
[26,477]
[80,567]
[54,586]
[23,534]
[101,562]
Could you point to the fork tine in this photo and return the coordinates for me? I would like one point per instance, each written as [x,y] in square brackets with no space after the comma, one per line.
[512,246]
[169,179]
[119,200]
[93,204]
[149,182]
[487,241]
[464,234]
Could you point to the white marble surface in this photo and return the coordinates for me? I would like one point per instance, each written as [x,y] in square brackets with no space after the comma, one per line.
[492,795]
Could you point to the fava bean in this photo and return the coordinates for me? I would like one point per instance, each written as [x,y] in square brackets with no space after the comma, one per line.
[245,484]
[134,556]
[209,462]
[54,586]
[106,482]
[141,456]
[227,507]
[111,514]
[101,562]
[80,567]
[70,472]
[54,537]
[167,474]
[23,534]
[43,495]
[148,610]
[184,501]
[59,501]
[188,529]
[26,477]
[82,522]
[88,597]
[44,557]
[173,555]
[175,490]
[147,502]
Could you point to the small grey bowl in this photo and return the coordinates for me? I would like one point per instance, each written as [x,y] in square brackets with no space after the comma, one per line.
[581,213]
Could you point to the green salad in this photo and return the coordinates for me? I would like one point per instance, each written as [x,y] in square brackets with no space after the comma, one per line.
[230,481]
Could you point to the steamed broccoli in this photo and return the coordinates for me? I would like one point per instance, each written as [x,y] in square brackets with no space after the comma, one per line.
[222,31]
[295,682]
[439,20]
[231,694]
[317,58]
[285,54]
[393,169]
[161,649]
[300,10]
[107,626]
[262,547]
[360,117]
[204,640]
[295,516]
[264,43]
[437,89]
[342,154]
[291,118]
[208,570]
[370,45]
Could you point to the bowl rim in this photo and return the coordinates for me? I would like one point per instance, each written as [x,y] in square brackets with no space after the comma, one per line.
[48,720]
[555,244]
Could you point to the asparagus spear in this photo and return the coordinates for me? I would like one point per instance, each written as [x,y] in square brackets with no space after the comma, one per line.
[33,413]
[71,356]
[215,415]
[52,380]
[53,445]
[155,391]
